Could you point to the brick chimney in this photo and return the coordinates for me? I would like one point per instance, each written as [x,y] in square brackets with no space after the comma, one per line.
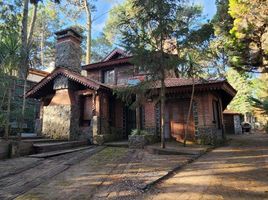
[68,49]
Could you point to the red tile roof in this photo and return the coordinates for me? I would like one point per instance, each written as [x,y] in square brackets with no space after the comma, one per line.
[92,84]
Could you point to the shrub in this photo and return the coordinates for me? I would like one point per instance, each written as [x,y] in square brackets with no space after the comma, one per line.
[139,132]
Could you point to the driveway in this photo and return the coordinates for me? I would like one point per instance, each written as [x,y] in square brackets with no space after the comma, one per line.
[237,171]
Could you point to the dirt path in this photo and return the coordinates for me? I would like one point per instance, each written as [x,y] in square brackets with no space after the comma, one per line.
[238,171]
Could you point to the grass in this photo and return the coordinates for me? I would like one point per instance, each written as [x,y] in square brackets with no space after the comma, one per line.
[108,155]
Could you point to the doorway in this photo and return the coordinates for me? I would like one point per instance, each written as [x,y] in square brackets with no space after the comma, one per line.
[129,121]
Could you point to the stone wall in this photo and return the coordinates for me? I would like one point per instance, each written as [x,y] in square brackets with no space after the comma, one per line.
[12,148]
[57,121]
[237,125]
[208,135]
[103,132]
[68,55]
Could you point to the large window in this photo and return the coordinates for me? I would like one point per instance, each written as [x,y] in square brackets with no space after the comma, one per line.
[108,77]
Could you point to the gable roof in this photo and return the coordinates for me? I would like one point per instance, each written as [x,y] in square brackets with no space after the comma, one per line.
[116,53]
[76,77]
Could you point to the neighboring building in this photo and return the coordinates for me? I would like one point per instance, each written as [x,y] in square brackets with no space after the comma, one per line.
[77,107]
[36,75]
[32,106]
[232,122]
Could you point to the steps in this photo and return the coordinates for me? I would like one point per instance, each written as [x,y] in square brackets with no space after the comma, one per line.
[43,147]
[123,143]
[41,140]
[59,152]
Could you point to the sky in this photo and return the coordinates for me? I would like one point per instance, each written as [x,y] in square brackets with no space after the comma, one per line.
[103,7]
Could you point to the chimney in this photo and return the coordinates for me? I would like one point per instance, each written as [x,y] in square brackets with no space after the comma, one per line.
[68,49]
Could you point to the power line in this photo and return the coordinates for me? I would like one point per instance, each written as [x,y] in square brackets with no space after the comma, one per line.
[101,15]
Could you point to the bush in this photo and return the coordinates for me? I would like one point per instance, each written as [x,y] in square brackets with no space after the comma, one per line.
[150,138]
[139,132]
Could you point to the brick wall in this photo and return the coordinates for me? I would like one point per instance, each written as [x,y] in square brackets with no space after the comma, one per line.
[149,116]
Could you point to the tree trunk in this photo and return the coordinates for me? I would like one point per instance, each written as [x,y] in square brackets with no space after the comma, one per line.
[30,36]
[189,113]
[8,110]
[25,65]
[162,108]
[89,22]
[24,43]
[42,48]
[23,107]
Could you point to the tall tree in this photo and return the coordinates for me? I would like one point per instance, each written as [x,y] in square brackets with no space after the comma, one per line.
[47,21]
[26,44]
[249,34]
[243,85]
[259,98]
[101,47]
[144,34]
[242,25]
[78,10]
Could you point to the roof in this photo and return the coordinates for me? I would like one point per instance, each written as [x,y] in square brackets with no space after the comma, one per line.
[89,83]
[125,60]
[116,51]
[38,72]
[183,85]
[175,82]
[231,112]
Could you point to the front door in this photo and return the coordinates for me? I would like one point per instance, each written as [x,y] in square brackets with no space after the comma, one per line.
[178,119]
[130,121]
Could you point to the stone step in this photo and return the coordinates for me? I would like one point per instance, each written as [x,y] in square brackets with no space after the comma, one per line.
[59,152]
[42,140]
[26,137]
[117,144]
[55,146]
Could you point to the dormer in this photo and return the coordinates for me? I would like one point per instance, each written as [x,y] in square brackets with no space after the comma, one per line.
[115,54]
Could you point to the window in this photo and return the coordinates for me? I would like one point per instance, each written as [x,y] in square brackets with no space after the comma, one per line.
[108,76]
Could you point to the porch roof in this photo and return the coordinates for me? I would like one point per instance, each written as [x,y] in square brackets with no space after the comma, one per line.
[231,112]
[42,88]
[182,85]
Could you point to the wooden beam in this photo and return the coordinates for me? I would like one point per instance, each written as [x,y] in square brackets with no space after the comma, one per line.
[85,92]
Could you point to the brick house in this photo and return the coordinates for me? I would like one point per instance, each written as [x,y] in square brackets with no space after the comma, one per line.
[77,107]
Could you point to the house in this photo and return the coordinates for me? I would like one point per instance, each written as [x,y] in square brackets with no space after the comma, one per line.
[77,107]
[232,122]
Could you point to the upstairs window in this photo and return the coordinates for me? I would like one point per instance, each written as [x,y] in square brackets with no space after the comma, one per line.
[108,77]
